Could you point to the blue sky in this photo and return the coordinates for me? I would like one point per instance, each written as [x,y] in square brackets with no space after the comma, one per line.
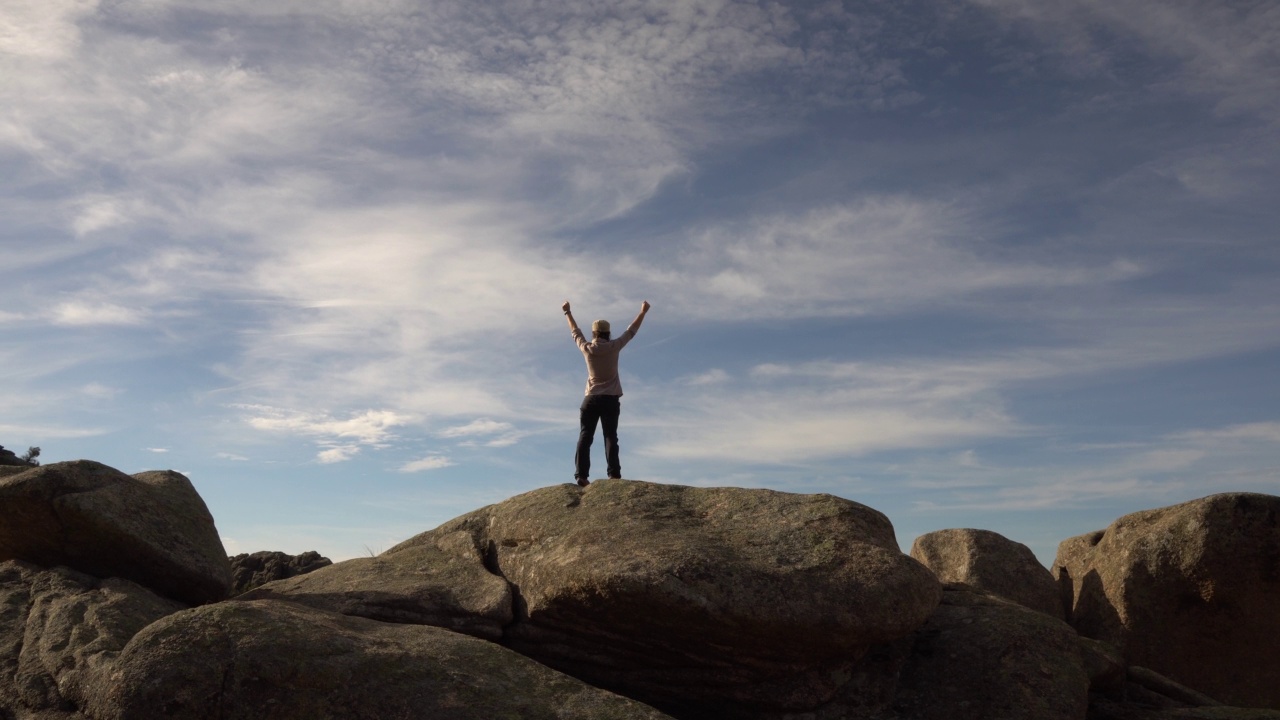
[989,263]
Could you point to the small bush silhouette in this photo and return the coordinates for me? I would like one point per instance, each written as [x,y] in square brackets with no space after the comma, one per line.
[30,456]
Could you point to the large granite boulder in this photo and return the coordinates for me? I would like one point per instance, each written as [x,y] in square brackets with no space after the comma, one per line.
[249,570]
[1191,591]
[60,632]
[151,527]
[989,561]
[711,601]
[284,661]
[980,657]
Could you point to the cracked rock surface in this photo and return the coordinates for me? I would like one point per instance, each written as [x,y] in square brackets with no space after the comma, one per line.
[60,632]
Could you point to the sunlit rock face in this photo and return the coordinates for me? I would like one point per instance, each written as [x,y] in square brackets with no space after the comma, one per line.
[989,561]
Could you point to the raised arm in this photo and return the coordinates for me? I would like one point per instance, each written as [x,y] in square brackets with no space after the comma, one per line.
[635,324]
[573,326]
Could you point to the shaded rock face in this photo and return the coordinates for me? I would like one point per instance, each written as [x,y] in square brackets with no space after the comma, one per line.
[250,570]
[1104,664]
[151,527]
[711,602]
[266,659]
[1191,591]
[442,581]
[60,632]
[989,561]
[981,657]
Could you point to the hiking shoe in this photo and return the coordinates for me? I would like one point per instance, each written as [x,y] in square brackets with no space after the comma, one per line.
[583,482]
[615,477]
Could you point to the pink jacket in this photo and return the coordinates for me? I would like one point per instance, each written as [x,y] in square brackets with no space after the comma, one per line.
[602,361]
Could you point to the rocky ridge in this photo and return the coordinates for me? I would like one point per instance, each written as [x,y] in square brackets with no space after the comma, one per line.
[250,570]
[625,599]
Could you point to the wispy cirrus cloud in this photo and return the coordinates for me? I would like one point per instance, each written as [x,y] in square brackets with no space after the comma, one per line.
[475,427]
[876,254]
[82,313]
[783,413]
[430,462]
[1225,51]
[1171,468]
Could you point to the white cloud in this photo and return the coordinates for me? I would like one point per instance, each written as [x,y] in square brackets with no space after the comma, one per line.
[231,456]
[100,391]
[40,28]
[342,439]
[97,214]
[475,427]
[757,432]
[714,376]
[815,411]
[369,427]
[157,450]
[1266,432]
[90,313]
[338,454]
[810,411]
[49,431]
[431,462]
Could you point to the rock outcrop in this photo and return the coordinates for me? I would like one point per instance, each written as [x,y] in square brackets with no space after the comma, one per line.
[151,528]
[249,570]
[699,600]
[626,600]
[1191,591]
[266,659]
[989,561]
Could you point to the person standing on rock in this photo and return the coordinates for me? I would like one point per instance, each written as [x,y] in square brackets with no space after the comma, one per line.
[602,403]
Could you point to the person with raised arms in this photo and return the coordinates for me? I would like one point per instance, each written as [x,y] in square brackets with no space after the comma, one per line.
[602,402]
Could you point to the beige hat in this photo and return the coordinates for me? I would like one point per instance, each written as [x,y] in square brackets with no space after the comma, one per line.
[600,326]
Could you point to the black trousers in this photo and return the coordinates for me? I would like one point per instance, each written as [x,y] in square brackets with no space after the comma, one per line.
[602,409]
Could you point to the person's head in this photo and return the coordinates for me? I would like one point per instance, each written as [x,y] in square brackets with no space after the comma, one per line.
[600,330]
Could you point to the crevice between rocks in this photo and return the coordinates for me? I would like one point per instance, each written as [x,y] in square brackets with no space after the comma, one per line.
[519,609]
[224,688]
